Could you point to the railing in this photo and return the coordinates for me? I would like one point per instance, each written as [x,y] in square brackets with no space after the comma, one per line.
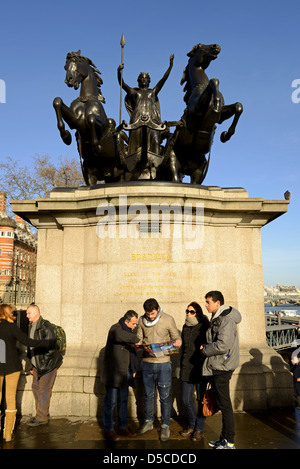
[280,337]
[281,332]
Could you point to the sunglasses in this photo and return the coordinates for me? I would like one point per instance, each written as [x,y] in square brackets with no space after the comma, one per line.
[190,311]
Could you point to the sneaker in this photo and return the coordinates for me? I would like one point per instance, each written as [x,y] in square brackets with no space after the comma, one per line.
[35,422]
[226,445]
[215,444]
[165,432]
[148,425]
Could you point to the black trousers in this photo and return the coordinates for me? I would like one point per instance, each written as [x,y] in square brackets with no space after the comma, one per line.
[220,385]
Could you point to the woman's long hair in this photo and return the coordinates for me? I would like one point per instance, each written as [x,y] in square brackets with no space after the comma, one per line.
[200,315]
[6,313]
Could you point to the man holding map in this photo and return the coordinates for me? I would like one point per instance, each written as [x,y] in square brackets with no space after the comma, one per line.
[156,327]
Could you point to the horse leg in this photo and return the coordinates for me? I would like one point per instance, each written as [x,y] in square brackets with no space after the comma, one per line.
[200,103]
[65,134]
[90,176]
[198,175]
[210,92]
[214,86]
[227,112]
[174,167]
[208,106]
[93,124]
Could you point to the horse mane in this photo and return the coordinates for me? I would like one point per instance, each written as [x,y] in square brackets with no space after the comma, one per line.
[185,77]
[77,56]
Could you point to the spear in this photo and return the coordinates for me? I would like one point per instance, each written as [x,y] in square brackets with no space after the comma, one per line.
[122,44]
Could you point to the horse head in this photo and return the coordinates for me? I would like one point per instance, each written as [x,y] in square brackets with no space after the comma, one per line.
[203,54]
[78,68]
[199,59]
[204,109]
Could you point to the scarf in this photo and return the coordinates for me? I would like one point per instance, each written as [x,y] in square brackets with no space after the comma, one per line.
[219,312]
[133,364]
[148,323]
[191,321]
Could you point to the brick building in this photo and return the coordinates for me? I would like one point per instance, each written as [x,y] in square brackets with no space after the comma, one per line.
[18,248]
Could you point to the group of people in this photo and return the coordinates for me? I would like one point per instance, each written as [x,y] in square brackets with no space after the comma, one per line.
[209,352]
[45,359]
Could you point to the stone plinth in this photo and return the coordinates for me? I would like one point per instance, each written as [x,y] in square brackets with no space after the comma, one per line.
[104,250]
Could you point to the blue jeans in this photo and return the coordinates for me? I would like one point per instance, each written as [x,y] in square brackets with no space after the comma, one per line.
[160,375]
[196,419]
[112,394]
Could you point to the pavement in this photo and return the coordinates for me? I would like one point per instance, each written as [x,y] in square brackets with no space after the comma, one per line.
[271,429]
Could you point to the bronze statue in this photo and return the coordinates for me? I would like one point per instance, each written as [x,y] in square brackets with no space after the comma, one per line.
[145,127]
[205,108]
[98,142]
[110,154]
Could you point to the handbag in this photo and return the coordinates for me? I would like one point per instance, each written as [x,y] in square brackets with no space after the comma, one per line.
[209,402]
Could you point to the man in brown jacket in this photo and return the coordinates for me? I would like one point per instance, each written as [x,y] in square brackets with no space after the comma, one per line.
[155,326]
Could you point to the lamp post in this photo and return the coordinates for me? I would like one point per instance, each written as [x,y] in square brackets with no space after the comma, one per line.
[17,281]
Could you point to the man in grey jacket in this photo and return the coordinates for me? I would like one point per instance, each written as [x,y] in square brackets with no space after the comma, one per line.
[222,358]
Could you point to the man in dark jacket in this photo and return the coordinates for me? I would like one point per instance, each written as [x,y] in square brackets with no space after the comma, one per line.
[222,358]
[120,366]
[45,363]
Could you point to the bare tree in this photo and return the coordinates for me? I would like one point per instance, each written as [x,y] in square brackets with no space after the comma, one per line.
[21,182]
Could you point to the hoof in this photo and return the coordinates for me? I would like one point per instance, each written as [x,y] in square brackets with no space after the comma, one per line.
[66,137]
[225,137]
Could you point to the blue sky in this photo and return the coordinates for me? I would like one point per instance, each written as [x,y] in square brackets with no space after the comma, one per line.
[259,60]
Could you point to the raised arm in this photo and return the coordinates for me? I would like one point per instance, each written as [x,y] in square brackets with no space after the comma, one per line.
[161,82]
[124,86]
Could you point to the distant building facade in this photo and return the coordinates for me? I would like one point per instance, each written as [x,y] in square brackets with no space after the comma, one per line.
[282,291]
[18,248]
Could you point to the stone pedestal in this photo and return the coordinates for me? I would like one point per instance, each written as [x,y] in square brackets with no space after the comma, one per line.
[104,250]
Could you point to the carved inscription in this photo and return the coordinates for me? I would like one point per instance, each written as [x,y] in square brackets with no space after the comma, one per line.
[148,275]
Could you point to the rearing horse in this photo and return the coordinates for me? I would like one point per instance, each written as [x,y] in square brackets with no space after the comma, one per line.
[97,140]
[205,108]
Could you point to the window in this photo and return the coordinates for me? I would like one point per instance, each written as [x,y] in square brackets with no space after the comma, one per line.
[6,234]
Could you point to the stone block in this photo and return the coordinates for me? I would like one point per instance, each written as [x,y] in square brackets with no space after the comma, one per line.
[87,279]
[70,404]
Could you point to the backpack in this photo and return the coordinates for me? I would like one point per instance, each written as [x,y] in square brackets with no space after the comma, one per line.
[60,338]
